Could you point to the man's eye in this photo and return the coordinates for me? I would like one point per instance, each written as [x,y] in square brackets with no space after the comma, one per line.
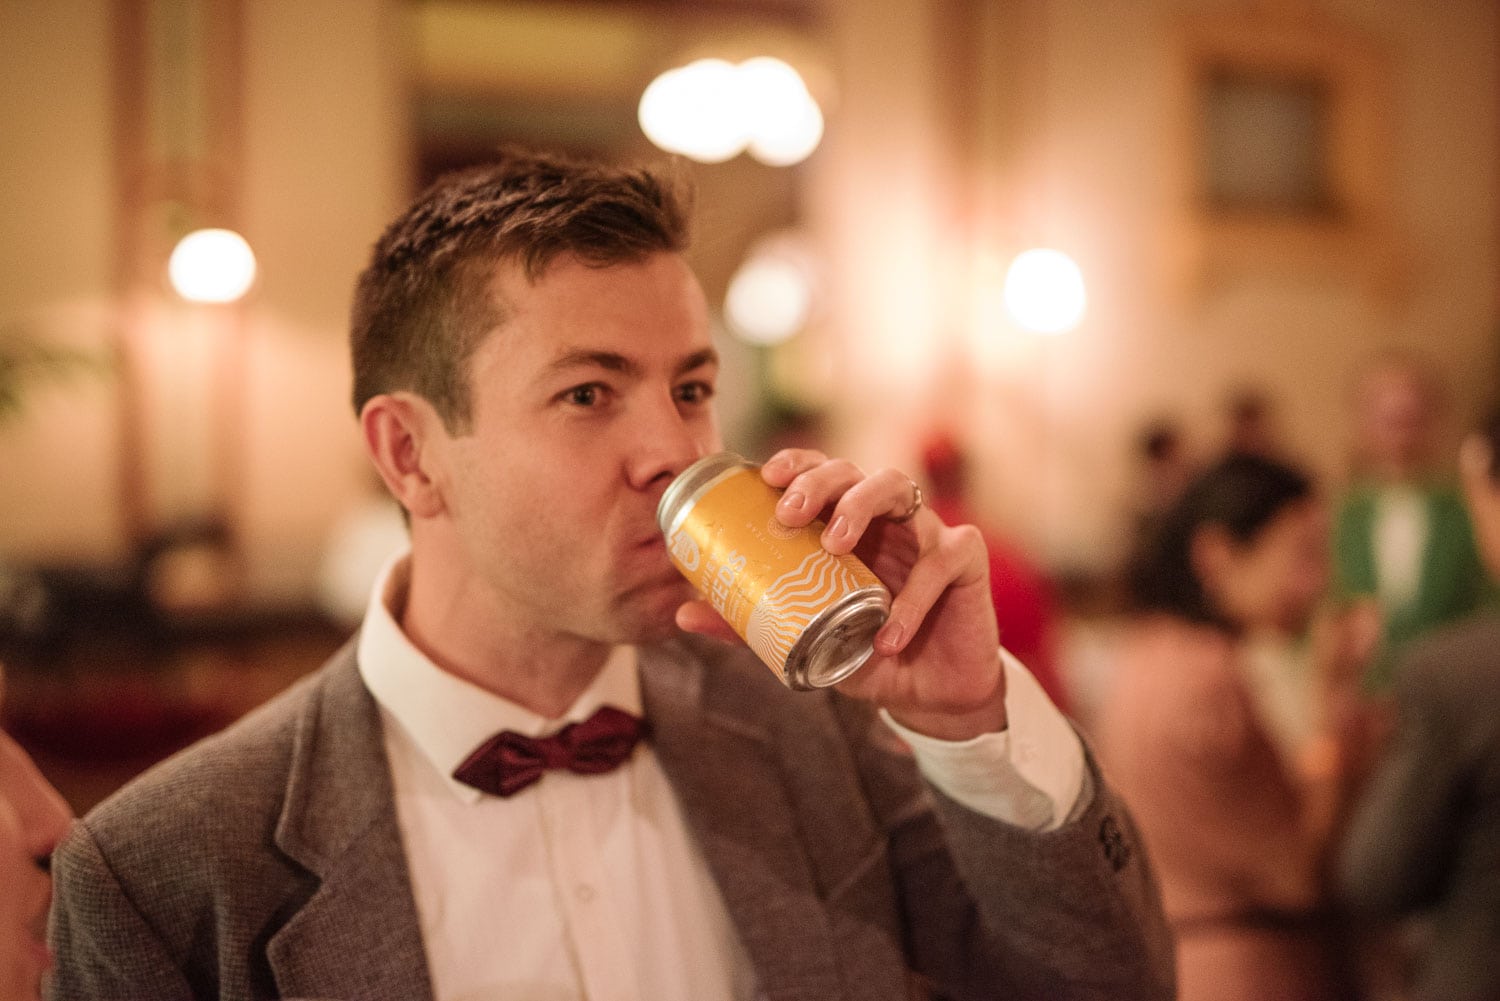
[695,392]
[584,396]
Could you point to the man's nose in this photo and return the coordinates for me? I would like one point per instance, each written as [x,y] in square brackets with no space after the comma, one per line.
[669,443]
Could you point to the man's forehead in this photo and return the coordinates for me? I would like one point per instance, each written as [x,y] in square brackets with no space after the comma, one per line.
[634,308]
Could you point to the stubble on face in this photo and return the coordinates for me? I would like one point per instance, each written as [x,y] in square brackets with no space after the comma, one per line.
[555,485]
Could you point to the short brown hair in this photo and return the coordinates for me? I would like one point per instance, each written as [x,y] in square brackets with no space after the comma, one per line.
[426,300]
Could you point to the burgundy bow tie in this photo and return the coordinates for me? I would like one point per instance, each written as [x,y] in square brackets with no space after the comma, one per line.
[509,762]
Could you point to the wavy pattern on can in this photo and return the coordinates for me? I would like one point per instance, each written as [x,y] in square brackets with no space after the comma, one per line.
[791,603]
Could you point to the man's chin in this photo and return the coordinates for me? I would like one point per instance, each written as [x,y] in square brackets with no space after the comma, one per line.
[657,632]
[646,630]
[652,618]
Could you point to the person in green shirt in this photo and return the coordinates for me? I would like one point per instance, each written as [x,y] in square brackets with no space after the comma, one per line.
[1402,538]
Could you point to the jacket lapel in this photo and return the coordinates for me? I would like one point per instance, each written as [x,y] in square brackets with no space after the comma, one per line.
[358,934]
[724,767]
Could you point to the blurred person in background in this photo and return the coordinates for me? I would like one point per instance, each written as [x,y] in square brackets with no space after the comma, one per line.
[1402,539]
[1163,470]
[1025,609]
[33,819]
[1251,426]
[1424,840]
[1287,688]
[1238,830]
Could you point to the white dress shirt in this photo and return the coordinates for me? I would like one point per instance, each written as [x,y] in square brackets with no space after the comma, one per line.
[1400,539]
[592,887]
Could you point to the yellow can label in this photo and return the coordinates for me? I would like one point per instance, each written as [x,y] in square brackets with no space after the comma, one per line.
[767,580]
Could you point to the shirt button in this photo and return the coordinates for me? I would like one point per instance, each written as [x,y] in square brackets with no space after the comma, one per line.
[584,892]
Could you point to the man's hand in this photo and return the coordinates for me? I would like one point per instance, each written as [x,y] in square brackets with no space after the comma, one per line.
[936,666]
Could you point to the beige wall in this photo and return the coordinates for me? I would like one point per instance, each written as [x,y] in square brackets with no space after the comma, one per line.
[56,202]
[324,163]
[1084,159]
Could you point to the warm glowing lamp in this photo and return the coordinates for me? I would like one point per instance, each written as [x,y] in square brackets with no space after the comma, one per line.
[1044,291]
[659,110]
[212,265]
[785,123]
[771,296]
[695,110]
[712,110]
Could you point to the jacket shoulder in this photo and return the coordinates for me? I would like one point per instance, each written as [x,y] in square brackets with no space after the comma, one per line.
[212,789]
[1455,665]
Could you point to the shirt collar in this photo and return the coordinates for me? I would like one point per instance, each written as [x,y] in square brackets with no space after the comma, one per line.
[445,716]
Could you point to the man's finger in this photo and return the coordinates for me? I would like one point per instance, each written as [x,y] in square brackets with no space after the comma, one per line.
[957,559]
[812,490]
[699,616]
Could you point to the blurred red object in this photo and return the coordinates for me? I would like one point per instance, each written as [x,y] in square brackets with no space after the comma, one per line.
[1025,608]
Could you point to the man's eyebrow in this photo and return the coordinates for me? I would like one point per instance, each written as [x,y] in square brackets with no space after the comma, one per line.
[612,361]
[583,358]
[698,359]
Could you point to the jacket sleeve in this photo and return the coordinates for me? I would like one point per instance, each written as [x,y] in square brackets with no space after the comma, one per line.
[1071,914]
[105,950]
[1398,845]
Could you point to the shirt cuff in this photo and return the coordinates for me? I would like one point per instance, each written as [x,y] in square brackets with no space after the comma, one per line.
[1030,775]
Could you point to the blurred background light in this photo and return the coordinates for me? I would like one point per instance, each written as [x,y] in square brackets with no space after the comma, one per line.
[712,110]
[1044,291]
[212,265]
[771,296]
[785,123]
[695,110]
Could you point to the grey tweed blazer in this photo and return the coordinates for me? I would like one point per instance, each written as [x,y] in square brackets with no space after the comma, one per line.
[266,861]
[1425,838]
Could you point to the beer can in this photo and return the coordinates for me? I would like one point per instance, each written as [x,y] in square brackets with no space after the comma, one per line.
[810,615]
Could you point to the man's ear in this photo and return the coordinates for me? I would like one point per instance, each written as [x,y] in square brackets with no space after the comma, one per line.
[399,429]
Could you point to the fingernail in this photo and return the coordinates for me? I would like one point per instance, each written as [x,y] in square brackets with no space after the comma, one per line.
[839,527]
[794,501]
[891,634]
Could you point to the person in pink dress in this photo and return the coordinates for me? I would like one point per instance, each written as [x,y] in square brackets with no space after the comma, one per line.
[1240,831]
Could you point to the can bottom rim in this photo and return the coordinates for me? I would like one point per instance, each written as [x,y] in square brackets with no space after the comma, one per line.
[838,642]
